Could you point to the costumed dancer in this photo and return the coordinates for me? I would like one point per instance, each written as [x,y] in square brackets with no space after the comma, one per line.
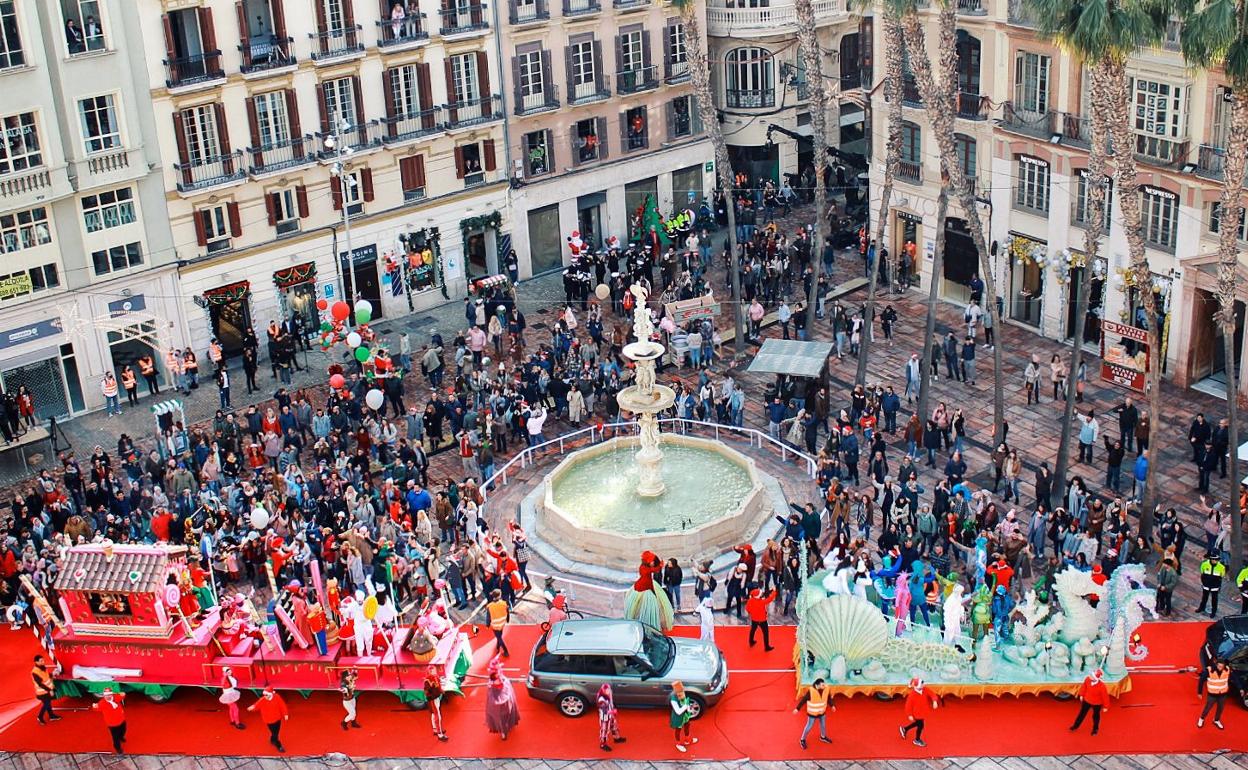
[1093,698]
[706,617]
[501,711]
[681,715]
[273,711]
[608,718]
[954,612]
[111,708]
[346,686]
[433,696]
[646,601]
[230,696]
[920,703]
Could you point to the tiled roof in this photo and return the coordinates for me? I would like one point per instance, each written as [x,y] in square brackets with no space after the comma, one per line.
[131,569]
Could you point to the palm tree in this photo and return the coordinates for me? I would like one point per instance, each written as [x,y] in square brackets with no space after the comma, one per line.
[808,43]
[894,58]
[1216,35]
[938,99]
[1063,21]
[933,294]
[700,76]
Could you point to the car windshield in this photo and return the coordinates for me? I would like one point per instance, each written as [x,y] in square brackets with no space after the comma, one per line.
[657,650]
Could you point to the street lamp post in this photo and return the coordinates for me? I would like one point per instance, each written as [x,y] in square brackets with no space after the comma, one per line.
[341,153]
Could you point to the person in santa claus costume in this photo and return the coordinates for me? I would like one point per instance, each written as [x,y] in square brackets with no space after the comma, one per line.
[273,711]
[920,703]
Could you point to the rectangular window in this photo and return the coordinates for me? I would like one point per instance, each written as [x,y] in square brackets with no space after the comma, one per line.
[117,258]
[11,54]
[676,51]
[25,229]
[100,130]
[199,125]
[271,120]
[531,76]
[632,57]
[108,209]
[42,277]
[587,140]
[1031,82]
[20,149]
[1158,109]
[536,153]
[335,18]
[636,128]
[1082,201]
[285,210]
[412,177]
[1161,218]
[355,193]
[83,30]
[464,73]
[584,74]
[1215,220]
[215,222]
[340,101]
[681,117]
[405,90]
[1033,184]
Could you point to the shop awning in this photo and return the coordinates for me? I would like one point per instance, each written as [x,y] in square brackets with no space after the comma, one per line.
[792,357]
[224,295]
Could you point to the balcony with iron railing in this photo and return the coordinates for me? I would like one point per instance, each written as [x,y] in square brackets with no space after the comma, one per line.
[1019,13]
[474,112]
[210,171]
[750,98]
[357,136]
[1211,161]
[636,80]
[336,43]
[629,5]
[1030,122]
[779,16]
[463,19]
[910,95]
[528,13]
[910,171]
[413,125]
[972,106]
[1157,151]
[591,91]
[197,70]
[973,7]
[281,155]
[266,56]
[395,35]
[676,71]
[1076,130]
[581,7]
[545,100]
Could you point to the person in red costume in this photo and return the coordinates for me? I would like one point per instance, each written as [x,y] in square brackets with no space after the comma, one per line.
[273,711]
[920,703]
[111,709]
[647,602]
[1094,698]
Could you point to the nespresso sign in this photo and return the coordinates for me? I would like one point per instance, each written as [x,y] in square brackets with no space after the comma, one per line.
[1158,192]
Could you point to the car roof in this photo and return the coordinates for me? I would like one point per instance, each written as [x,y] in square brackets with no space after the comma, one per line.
[593,635]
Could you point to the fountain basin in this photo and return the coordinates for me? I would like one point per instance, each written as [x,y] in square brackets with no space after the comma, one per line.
[588,508]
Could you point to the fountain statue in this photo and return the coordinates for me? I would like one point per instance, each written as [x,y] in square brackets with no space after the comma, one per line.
[645,398]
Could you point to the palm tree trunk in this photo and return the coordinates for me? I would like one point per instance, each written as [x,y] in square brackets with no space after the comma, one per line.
[700,76]
[1095,229]
[1228,265]
[933,296]
[808,43]
[940,113]
[1126,174]
[895,67]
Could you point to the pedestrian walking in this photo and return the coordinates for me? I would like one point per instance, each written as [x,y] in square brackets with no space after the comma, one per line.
[1093,698]
[501,713]
[920,703]
[433,697]
[500,614]
[45,690]
[681,715]
[757,608]
[347,686]
[230,696]
[112,708]
[273,711]
[223,382]
[609,718]
[817,698]
[1217,683]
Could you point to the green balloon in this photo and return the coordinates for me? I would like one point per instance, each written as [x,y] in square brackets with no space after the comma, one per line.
[326,326]
[362,354]
[363,316]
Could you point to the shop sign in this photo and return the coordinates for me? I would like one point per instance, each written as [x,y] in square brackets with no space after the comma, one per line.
[686,310]
[361,255]
[127,305]
[1158,192]
[30,333]
[16,285]
[908,217]
[1117,366]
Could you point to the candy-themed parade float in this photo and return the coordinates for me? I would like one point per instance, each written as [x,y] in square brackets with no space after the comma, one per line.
[145,619]
[868,632]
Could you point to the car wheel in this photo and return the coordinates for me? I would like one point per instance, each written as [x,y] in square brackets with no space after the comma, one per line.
[696,706]
[572,705]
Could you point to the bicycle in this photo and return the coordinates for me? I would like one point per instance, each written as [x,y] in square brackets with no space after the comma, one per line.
[558,606]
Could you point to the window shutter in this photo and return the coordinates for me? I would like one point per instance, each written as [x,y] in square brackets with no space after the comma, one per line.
[548,85]
[301,196]
[488,150]
[244,36]
[236,224]
[517,86]
[323,105]
[459,162]
[292,117]
[1042,84]
[270,207]
[366,181]
[619,57]
[550,150]
[624,132]
[669,113]
[602,138]
[201,232]
[335,191]
[179,130]
[207,31]
[667,49]
[171,51]
[392,126]
[407,172]
[348,13]
[253,126]
[1018,80]
[320,15]
[453,114]
[474,13]
[483,84]
[359,97]
[223,135]
[569,56]
[279,22]
[598,73]
[420,171]
[426,96]
[645,54]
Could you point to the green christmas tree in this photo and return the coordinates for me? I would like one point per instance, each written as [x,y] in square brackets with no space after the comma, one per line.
[650,217]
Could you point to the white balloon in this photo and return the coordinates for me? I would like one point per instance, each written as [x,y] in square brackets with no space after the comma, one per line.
[374,398]
[259,517]
[354,340]
[364,305]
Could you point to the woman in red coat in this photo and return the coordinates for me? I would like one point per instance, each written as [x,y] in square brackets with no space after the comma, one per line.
[920,703]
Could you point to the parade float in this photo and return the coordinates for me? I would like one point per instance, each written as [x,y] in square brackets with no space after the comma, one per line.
[144,619]
[1043,644]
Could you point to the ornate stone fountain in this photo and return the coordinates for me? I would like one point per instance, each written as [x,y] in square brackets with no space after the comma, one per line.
[646,398]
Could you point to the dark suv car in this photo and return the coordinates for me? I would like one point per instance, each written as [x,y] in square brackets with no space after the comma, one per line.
[1228,638]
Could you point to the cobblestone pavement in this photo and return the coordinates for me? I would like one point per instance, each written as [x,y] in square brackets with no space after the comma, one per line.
[1227,761]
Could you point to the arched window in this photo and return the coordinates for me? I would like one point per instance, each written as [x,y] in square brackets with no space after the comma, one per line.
[750,80]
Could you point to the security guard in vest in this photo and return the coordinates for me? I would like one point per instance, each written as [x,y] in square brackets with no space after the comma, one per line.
[1212,573]
[818,698]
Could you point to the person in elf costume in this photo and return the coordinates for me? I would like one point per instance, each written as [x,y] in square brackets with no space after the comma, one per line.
[199,586]
[647,602]
[981,612]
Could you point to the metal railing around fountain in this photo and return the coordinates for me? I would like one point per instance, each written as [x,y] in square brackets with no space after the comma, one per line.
[595,434]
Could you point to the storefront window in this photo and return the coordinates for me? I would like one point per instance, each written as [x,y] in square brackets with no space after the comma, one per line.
[1027,258]
[687,187]
[545,240]
[424,258]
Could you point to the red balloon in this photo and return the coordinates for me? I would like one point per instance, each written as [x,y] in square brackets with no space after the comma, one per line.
[321,304]
[340,311]
[337,381]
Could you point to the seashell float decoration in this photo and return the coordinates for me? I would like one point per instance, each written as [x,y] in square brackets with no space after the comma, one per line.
[848,626]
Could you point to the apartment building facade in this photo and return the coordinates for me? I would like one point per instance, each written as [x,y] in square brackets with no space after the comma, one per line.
[602,119]
[89,280]
[762,88]
[274,116]
[1022,133]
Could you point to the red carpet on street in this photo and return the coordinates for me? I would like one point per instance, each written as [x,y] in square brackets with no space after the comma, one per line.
[755,720]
